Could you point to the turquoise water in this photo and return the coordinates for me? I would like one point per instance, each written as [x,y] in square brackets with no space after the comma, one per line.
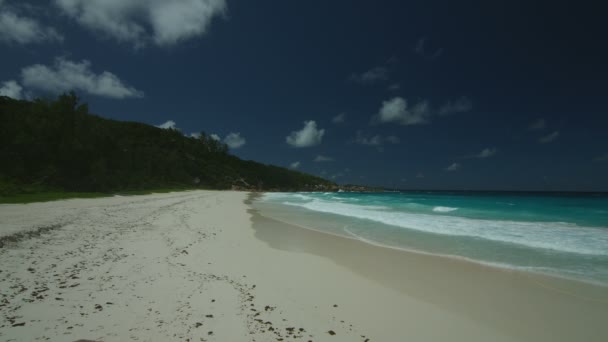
[559,234]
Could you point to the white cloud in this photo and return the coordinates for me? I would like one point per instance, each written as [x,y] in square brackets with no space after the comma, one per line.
[308,136]
[394,86]
[140,22]
[376,140]
[461,105]
[549,138]
[538,125]
[397,110]
[215,137]
[11,89]
[66,75]
[453,167]
[340,118]
[361,139]
[194,135]
[319,158]
[15,28]
[486,153]
[294,165]
[169,124]
[234,140]
[371,76]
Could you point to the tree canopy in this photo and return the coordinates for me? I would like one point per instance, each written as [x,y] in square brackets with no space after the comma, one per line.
[57,144]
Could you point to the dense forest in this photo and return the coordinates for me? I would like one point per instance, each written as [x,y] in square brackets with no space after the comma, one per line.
[59,146]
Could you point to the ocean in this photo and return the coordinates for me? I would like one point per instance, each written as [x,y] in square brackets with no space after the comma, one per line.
[560,234]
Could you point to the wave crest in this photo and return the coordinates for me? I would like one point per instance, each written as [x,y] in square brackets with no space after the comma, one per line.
[444,209]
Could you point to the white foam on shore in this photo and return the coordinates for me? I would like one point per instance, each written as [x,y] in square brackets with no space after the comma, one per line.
[549,271]
[444,209]
[556,236]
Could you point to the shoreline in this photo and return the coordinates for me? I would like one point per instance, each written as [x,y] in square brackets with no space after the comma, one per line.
[339,226]
[537,292]
[203,265]
[495,266]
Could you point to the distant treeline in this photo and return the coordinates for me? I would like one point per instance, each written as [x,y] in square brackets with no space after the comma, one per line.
[58,145]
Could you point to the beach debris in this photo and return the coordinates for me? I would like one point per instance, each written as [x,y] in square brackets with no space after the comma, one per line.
[331,332]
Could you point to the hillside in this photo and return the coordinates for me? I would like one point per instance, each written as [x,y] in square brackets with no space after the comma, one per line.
[59,146]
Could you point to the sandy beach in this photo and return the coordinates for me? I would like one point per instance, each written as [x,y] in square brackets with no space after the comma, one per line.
[205,266]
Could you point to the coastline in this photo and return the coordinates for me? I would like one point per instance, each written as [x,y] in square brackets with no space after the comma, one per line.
[578,257]
[516,303]
[495,266]
[204,265]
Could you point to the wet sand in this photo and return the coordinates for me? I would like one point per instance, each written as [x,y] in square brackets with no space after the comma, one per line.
[514,304]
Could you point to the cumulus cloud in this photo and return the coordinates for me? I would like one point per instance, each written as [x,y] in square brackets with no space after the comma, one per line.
[320,158]
[538,125]
[294,165]
[161,22]
[340,118]
[234,140]
[549,138]
[371,76]
[169,124]
[486,153]
[376,140]
[66,75]
[194,135]
[453,167]
[397,110]
[361,139]
[308,136]
[11,89]
[16,28]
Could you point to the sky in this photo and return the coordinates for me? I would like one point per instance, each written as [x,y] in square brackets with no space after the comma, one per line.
[459,95]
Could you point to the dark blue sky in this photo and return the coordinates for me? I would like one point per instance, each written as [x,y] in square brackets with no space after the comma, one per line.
[434,94]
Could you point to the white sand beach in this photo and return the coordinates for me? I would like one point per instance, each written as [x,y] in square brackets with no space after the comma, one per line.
[203,266]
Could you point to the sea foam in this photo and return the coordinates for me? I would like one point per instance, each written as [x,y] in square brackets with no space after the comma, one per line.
[557,236]
[444,209]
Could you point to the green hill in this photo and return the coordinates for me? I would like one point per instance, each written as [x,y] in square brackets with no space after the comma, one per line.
[59,146]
